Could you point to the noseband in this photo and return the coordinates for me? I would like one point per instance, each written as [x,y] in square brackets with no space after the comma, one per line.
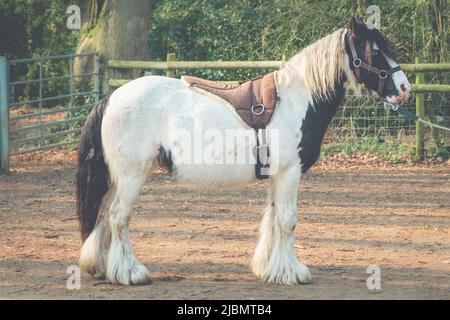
[358,64]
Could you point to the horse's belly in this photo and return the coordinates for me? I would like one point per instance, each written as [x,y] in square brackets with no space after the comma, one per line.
[213,156]
[216,175]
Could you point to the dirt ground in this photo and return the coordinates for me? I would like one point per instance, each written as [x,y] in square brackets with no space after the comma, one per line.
[198,244]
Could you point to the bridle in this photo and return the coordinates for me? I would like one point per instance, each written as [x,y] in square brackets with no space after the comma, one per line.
[358,64]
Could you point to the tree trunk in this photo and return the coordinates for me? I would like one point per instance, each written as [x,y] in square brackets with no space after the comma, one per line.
[115,29]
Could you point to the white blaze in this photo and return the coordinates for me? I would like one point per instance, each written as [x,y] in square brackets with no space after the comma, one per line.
[398,77]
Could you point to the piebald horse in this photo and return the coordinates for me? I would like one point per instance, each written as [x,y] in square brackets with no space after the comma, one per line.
[143,123]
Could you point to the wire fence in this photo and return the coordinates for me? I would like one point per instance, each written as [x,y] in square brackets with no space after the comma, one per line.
[363,117]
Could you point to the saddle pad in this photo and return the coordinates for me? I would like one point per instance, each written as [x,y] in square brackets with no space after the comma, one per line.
[254,100]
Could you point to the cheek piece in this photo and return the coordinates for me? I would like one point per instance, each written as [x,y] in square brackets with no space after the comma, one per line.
[358,64]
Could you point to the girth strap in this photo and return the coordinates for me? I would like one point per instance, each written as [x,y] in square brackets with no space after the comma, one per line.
[262,166]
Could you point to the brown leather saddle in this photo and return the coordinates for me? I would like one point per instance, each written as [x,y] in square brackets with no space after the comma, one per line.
[255,101]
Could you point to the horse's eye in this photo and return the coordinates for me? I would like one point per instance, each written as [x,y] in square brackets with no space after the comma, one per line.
[375,53]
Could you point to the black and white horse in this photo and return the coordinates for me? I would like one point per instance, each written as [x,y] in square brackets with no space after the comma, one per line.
[145,123]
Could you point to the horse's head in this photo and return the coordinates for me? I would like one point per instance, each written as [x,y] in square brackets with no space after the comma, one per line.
[373,63]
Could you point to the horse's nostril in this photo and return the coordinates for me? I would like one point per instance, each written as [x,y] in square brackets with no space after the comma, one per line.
[403,87]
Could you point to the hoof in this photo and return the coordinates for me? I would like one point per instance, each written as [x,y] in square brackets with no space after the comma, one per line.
[137,274]
[297,273]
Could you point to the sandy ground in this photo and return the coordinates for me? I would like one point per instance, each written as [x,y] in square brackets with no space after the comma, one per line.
[198,244]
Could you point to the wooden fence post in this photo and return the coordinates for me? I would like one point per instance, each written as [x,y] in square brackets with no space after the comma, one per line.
[4,115]
[420,111]
[169,72]
[97,85]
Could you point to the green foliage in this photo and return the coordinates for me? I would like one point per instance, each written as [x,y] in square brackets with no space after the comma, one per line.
[35,27]
[270,30]
[237,30]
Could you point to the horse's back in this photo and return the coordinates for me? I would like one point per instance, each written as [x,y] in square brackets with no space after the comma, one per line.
[145,88]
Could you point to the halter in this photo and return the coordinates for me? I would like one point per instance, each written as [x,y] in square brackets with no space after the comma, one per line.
[358,64]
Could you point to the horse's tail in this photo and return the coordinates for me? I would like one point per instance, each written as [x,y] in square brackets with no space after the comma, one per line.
[93,174]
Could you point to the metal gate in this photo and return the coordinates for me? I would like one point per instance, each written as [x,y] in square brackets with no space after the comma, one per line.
[43,104]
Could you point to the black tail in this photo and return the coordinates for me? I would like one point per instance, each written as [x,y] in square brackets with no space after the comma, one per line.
[93,174]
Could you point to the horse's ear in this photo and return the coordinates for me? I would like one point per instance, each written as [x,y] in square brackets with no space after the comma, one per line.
[357,27]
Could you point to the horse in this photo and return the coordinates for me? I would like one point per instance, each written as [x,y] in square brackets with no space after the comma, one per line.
[142,125]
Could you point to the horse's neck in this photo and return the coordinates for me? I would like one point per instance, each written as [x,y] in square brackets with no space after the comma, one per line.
[326,109]
[314,123]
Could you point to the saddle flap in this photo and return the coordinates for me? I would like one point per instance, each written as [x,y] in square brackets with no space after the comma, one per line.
[269,92]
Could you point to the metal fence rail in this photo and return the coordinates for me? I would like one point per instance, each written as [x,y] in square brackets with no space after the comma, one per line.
[43,104]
